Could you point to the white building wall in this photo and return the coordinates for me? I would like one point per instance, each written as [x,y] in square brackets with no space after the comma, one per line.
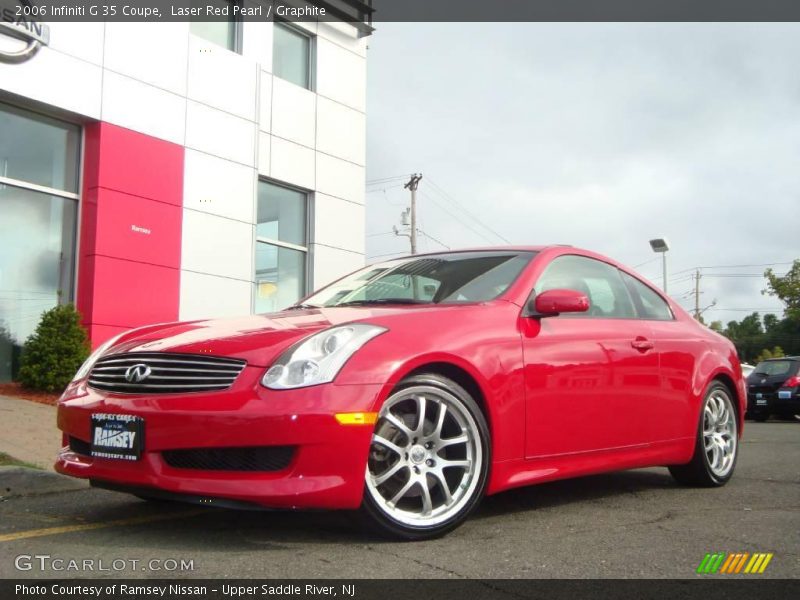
[238,123]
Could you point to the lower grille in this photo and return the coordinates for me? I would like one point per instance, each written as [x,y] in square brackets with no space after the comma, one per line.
[78,446]
[164,373]
[254,458]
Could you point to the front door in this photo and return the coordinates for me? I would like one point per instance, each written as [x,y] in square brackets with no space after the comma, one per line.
[589,378]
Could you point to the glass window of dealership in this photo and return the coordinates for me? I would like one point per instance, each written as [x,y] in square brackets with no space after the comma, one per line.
[39,162]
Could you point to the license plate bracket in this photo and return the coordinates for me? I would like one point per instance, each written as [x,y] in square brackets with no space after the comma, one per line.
[117,436]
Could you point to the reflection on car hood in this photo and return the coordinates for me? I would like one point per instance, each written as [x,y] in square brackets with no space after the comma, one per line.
[257,338]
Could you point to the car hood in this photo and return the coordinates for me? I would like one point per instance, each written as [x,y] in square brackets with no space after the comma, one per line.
[258,339]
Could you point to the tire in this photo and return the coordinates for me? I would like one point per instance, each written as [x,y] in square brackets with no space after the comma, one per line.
[425,476]
[717,435]
[761,417]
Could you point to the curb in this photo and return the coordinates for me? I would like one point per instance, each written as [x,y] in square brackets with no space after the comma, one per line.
[18,482]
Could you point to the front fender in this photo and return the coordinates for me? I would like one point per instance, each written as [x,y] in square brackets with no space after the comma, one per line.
[493,360]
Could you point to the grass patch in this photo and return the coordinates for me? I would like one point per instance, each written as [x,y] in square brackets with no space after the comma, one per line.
[10,461]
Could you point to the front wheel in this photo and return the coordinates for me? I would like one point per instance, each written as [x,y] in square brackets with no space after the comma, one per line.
[429,459]
[717,443]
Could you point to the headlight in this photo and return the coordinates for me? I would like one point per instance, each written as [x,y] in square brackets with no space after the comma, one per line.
[89,362]
[319,358]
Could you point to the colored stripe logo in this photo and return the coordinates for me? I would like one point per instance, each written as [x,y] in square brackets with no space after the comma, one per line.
[734,563]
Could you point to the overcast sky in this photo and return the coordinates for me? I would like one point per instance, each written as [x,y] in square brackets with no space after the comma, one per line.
[598,135]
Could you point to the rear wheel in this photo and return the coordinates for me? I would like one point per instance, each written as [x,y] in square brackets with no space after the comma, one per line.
[761,417]
[429,459]
[717,444]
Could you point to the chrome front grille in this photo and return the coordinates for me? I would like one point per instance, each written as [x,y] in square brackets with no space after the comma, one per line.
[164,373]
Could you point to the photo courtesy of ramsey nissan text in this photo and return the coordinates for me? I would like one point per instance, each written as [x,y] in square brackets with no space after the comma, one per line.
[380,299]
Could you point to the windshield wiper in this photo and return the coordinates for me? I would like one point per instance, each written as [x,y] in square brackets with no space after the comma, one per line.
[382,301]
[302,306]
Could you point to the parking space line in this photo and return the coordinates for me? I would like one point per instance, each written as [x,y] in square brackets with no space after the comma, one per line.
[32,533]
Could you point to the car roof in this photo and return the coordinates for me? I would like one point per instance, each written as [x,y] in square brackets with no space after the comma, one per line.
[518,248]
[795,358]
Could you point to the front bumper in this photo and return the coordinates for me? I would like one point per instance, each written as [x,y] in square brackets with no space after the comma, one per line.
[326,470]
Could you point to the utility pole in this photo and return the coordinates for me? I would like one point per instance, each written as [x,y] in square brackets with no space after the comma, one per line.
[412,185]
[697,311]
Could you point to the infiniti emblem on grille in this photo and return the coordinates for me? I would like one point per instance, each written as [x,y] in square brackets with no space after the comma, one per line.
[137,373]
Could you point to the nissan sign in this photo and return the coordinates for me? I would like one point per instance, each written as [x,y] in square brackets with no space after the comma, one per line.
[28,35]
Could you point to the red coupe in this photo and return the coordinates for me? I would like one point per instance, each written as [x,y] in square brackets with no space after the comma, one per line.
[410,389]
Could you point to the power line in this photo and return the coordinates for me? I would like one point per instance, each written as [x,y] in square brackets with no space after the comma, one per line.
[762,309]
[774,264]
[455,216]
[458,205]
[733,275]
[429,236]
[383,189]
[647,262]
[385,179]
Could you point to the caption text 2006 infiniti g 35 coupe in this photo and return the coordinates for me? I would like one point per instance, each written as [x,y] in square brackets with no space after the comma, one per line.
[410,389]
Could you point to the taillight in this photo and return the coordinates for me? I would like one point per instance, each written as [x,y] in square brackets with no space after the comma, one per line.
[792,381]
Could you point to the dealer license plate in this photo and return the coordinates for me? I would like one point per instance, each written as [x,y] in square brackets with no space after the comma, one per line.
[117,436]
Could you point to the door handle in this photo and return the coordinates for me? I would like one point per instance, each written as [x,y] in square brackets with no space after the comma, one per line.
[642,344]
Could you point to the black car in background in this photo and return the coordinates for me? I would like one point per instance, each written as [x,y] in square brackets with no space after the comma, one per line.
[773,388]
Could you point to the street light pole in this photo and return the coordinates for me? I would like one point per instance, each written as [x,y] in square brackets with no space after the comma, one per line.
[661,246]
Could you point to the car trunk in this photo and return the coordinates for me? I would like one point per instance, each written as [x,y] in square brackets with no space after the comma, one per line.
[770,376]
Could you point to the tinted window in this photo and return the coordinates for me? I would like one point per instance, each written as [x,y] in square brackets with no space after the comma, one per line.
[221,33]
[775,367]
[431,279]
[281,246]
[291,55]
[651,305]
[601,283]
[281,214]
[38,150]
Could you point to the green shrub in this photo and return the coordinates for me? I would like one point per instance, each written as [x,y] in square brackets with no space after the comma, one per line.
[55,351]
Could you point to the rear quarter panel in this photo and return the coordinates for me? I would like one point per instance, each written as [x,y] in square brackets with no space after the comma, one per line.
[691,357]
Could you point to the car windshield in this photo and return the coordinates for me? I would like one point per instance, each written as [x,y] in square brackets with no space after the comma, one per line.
[775,367]
[451,278]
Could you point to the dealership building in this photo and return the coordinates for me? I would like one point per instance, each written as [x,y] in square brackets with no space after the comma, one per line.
[152,172]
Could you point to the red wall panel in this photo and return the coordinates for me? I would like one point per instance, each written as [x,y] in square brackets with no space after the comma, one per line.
[130,238]
[138,229]
[138,164]
[132,294]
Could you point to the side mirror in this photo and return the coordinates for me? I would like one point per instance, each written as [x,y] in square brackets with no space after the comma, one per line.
[554,302]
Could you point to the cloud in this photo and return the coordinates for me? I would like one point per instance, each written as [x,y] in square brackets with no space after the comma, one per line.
[598,135]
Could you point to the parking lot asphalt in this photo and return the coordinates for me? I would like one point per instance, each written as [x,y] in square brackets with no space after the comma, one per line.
[628,524]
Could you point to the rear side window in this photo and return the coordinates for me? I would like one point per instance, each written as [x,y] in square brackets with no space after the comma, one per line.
[776,367]
[649,304]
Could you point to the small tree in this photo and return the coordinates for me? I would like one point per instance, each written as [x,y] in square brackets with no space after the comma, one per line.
[776,352]
[786,289]
[55,351]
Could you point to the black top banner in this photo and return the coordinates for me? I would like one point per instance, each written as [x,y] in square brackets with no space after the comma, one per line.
[373,12]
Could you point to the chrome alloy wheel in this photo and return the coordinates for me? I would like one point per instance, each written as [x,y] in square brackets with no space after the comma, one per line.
[426,457]
[719,433]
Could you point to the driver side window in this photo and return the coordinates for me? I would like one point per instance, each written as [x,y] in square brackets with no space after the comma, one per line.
[600,282]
